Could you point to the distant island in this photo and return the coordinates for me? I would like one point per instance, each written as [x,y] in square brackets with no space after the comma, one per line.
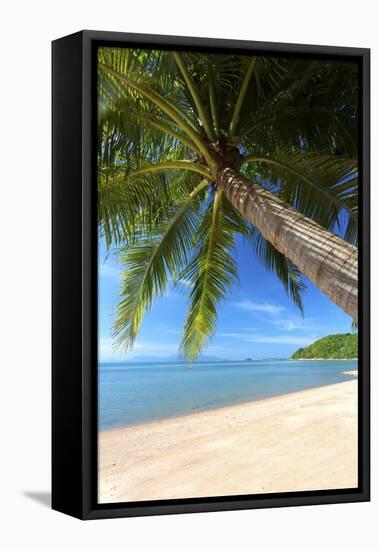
[179,359]
[171,359]
[335,346]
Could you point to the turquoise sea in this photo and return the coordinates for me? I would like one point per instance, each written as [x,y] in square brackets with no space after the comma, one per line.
[133,393]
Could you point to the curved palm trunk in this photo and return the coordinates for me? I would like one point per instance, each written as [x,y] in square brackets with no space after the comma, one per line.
[328,261]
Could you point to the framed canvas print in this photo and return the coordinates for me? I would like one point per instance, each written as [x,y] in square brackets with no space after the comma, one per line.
[210,275]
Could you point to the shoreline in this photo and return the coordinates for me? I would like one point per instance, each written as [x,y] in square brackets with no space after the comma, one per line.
[323,359]
[304,440]
[353,373]
[350,373]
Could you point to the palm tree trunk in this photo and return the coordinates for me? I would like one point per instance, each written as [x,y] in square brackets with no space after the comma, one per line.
[328,261]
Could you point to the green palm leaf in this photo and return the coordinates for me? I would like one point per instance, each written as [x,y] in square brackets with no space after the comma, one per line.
[286,271]
[163,121]
[123,205]
[315,104]
[144,86]
[147,264]
[210,274]
[319,186]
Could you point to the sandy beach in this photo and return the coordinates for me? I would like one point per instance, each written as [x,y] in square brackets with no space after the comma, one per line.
[301,441]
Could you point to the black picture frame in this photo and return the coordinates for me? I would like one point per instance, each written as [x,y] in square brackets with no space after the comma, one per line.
[74,272]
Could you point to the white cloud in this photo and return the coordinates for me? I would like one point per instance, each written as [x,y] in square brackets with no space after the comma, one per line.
[214,349]
[185,283]
[232,335]
[285,324]
[179,284]
[248,305]
[107,351]
[282,339]
[289,339]
[294,324]
[155,348]
[172,331]
[109,270]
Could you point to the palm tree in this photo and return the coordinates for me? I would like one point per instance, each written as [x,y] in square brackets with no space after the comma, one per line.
[197,148]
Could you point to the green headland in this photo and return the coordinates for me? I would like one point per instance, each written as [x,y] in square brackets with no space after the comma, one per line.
[335,346]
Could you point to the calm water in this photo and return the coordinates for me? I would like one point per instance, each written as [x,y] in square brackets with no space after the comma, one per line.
[132,393]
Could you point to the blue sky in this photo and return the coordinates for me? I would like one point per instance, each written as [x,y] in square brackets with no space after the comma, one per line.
[257,320]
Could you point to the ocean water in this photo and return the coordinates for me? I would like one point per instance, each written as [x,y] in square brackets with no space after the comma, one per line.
[133,393]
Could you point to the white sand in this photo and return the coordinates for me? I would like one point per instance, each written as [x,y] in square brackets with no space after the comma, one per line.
[353,373]
[295,442]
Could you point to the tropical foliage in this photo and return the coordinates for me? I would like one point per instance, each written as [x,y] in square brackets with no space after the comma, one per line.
[335,346]
[167,123]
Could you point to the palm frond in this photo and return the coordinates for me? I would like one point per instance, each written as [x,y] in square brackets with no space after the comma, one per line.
[319,186]
[123,205]
[213,102]
[158,114]
[147,264]
[142,85]
[241,96]
[128,207]
[192,87]
[210,274]
[288,274]
[314,106]
[137,120]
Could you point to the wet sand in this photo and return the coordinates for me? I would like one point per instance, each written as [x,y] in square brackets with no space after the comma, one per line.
[295,442]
